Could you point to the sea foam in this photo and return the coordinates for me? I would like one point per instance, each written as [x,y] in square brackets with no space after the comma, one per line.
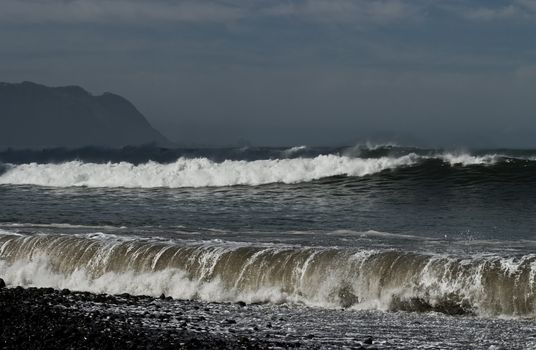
[198,172]
[203,172]
[327,277]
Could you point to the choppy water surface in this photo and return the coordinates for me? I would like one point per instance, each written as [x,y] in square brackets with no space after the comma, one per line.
[400,238]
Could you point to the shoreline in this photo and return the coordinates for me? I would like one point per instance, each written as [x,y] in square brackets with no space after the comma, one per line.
[48,318]
[40,318]
[45,318]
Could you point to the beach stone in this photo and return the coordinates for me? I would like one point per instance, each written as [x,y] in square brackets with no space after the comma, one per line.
[43,318]
[2,283]
[368,340]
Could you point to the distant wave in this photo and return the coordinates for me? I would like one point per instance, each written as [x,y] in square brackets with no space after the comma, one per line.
[467,159]
[293,150]
[198,172]
[203,172]
[317,276]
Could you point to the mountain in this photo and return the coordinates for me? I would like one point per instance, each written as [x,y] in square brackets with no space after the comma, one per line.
[37,116]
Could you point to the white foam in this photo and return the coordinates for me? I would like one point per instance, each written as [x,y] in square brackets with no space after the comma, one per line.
[467,159]
[58,225]
[292,150]
[367,146]
[11,233]
[226,271]
[374,234]
[199,172]
[202,172]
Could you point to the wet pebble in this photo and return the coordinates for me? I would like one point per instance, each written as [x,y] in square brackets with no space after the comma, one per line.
[48,318]
[368,340]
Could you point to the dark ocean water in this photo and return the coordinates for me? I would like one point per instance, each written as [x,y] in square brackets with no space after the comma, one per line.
[367,228]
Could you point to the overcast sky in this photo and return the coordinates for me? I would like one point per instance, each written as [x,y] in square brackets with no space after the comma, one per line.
[289,72]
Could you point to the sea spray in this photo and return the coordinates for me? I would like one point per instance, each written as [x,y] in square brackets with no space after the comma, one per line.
[199,172]
[202,172]
[327,277]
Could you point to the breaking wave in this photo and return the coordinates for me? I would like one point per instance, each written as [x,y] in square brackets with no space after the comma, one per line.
[315,276]
[203,172]
[200,172]
[293,150]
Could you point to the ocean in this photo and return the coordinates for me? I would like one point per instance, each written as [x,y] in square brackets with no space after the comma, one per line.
[419,248]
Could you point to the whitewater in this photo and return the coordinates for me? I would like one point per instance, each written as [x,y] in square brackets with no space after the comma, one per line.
[416,247]
[203,172]
[327,277]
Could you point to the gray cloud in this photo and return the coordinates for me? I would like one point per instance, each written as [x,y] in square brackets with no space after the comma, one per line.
[72,11]
[357,12]
[116,10]
[512,10]
[347,10]
[289,71]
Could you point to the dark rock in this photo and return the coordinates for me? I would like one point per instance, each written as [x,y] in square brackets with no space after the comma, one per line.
[244,340]
[2,283]
[45,319]
[37,116]
[241,303]
[368,340]
[65,292]
[162,296]
[100,298]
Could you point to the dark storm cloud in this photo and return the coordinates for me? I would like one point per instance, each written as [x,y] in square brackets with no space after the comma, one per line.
[219,10]
[115,10]
[291,72]
[158,10]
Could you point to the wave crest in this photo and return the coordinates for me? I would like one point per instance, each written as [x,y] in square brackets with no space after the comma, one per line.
[198,172]
[224,271]
[203,172]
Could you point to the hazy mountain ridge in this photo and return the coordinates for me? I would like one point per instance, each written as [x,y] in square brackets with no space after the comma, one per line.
[36,116]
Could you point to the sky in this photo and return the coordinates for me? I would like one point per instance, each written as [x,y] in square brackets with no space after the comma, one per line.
[292,72]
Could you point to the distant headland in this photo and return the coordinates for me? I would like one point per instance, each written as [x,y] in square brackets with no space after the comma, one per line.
[37,116]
